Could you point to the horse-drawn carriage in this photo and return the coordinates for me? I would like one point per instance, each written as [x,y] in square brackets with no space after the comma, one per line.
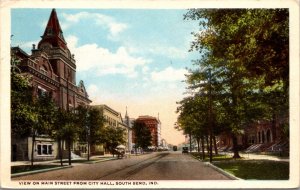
[119,151]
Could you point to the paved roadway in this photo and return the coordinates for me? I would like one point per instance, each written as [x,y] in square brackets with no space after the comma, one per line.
[154,166]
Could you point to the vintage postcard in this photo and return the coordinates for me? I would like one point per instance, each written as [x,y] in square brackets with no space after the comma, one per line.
[149,94]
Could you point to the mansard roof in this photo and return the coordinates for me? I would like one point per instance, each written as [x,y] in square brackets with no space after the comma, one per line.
[53,33]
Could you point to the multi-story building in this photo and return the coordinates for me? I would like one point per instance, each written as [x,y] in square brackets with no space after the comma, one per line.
[52,69]
[113,118]
[152,123]
[258,137]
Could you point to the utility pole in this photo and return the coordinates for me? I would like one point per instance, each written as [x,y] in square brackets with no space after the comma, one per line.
[68,109]
[210,115]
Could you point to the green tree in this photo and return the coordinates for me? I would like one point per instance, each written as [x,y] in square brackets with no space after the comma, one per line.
[22,115]
[257,38]
[142,134]
[90,123]
[113,136]
[247,51]
[30,116]
[193,119]
[45,111]
[65,130]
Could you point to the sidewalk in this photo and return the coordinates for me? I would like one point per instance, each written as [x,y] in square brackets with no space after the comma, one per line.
[57,165]
[75,161]
[252,156]
[57,161]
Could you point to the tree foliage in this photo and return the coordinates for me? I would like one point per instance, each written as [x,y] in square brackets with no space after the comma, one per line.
[90,122]
[142,134]
[257,38]
[113,136]
[246,53]
[22,111]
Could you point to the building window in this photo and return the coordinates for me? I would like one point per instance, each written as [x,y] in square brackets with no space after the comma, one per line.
[43,70]
[44,149]
[41,91]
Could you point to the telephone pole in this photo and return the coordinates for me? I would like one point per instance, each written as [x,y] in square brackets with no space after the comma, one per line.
[210,115]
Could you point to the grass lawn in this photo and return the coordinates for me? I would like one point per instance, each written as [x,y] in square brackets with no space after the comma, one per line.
[219,157]
[257,170]
[27,168]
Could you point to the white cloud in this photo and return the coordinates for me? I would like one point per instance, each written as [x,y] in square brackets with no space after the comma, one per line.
[158,49]
[145,69]
[26,46]
[171,52]
[105,21]
[102,61]
[76,17]
[93,91]
[168,75]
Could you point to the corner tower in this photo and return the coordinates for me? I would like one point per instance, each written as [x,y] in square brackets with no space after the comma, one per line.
[53,33]
[59,55]
[53,47]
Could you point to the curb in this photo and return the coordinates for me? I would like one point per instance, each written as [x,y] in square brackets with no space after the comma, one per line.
[222,171]
[38,171]
[218,169]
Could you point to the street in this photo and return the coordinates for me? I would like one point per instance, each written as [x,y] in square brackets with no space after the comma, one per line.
[155,166]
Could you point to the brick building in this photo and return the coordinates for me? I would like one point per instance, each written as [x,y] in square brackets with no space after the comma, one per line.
[153,125]
[52,69]
[261,136]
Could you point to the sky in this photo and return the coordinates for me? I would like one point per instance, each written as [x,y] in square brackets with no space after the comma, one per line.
[134,58]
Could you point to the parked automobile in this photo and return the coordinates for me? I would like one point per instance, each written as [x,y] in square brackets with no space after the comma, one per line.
[174,148]
[185,150]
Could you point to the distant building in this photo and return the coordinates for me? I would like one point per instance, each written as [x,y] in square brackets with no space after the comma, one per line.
[164,143]
[113,118]
[129,123]
[153,125]
[52,69]
[159,132]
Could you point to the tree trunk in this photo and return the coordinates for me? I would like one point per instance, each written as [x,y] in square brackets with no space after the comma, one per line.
[207,144]
[235,147]
[190,135]
[274,135]
[202,144]
[69,150]
[60,151]
[88,151]
[210,147]
[215,145]
[198,144]
[32,148]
